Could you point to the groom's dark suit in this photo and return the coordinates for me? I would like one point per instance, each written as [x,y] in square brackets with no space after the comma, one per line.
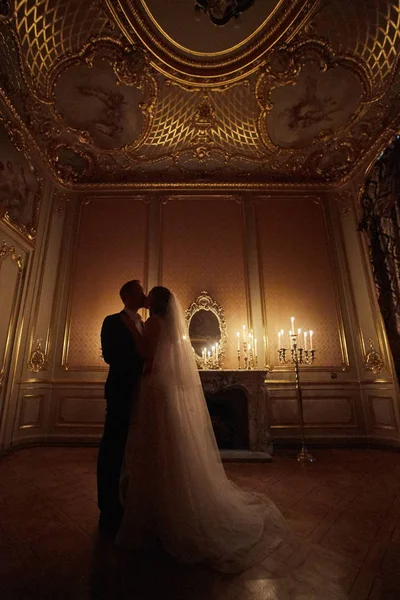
[121,388]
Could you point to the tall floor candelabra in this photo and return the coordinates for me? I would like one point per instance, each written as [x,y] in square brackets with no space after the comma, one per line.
[298,356]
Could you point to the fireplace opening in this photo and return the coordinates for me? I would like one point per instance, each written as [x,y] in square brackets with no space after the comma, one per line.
[228,412]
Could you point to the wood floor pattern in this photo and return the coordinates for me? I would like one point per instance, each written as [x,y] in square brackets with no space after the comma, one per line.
[345,508]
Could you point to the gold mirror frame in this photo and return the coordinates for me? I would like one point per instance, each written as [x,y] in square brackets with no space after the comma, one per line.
[205,302]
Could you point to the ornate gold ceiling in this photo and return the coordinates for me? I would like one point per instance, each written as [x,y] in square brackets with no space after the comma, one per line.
[122,92]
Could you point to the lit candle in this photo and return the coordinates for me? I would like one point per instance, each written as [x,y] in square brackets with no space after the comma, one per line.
[255,348]
[238,341]
[279,339]
[244,333]
[216,352]
[283,343]
[208,355]
[311,344]
[292,321]
[305,340]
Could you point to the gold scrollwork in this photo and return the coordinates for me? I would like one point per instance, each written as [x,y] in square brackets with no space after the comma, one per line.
[131,67]
[204,302]
[284,67]
[373,360]
[6,250]
[190,67]
[38,360]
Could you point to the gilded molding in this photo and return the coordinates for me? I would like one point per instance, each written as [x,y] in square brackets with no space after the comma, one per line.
[38,359]
[190,67]
[205,302]
[6,250]
[373,361]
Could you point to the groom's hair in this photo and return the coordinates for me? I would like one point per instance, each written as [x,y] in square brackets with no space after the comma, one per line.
[127,288]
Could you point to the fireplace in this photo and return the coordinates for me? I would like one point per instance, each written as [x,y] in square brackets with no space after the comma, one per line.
[237,402]
[229,416]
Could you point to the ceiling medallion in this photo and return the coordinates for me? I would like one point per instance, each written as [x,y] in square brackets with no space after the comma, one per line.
[194,51]
[222,11]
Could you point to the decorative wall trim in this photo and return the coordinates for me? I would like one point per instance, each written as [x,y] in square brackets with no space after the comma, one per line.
[38,359]
[8,251]
[352,422]
[373,402]
[27,423]
[75,405]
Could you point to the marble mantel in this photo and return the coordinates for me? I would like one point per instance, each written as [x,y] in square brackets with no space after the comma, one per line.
[254,386]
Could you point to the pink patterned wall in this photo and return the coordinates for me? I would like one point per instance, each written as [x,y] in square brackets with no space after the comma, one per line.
[297,274]
[202,250]
[111,249]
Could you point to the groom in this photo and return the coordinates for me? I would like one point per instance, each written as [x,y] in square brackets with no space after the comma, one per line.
[121,389]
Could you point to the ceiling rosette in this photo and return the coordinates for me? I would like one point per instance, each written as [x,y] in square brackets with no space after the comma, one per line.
[187,46]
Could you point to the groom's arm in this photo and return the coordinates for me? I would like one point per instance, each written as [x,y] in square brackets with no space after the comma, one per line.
[110,342]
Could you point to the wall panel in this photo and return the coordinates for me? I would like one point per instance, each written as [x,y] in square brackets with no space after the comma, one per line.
[110,249]
[202,250]
[298,276]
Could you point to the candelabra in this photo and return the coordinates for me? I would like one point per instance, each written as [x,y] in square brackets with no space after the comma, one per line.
[298,356]
[247,351]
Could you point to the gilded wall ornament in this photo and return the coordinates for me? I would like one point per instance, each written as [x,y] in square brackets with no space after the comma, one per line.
[38,360]
[6,250]
[373,360]
[344,200]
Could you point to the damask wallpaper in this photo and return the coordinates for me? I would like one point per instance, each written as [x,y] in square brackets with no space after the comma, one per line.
[203,251]
[297,275]
[111,249]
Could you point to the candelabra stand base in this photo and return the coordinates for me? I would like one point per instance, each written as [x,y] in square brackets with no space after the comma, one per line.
[304,456]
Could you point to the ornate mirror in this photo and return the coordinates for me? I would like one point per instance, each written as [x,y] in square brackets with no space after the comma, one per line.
[207,331]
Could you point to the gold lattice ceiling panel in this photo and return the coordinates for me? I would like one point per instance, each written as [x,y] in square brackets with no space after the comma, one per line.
[303,90]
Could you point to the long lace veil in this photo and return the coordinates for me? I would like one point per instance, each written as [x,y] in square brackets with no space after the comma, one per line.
[202,515]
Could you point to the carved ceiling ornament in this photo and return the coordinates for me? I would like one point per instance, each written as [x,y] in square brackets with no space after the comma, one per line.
[141,20]
[248,114]
[314,106]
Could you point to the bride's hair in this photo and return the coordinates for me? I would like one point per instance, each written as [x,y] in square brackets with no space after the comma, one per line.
[159,300]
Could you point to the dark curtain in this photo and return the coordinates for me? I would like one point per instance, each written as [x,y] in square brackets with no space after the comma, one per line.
[380,221]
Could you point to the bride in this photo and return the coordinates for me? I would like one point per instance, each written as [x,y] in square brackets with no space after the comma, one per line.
[174,488]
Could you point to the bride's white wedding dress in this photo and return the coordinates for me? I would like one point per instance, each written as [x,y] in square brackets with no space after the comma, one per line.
[174,487]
